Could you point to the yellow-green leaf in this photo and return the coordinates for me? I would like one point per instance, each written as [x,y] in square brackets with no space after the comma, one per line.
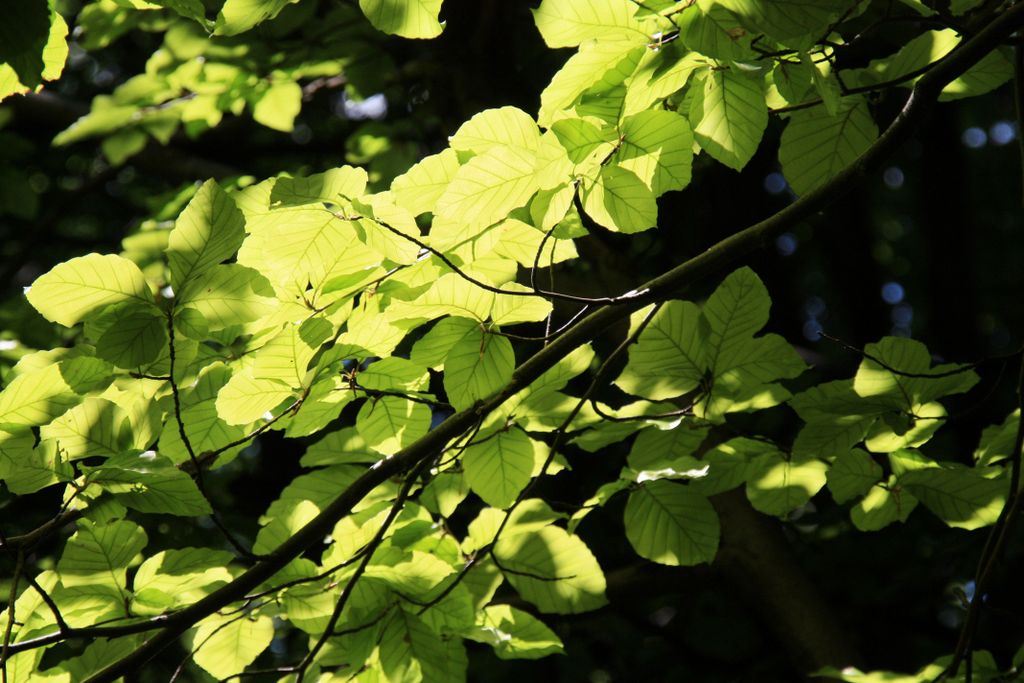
[406,18]
[209,231]
[245,398]
[729,116]
[75,289]
[552,569]
[224,645]
[489,186]
[620,201]
[499,467]
[670,524]
[816,146]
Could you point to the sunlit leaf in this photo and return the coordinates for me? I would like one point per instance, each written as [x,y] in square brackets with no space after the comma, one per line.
[477,366]
[515,634]
[729,116]
[224,645]
[406,18]
[488,186]
[498,468]
[552,569]
[566,23]
[73,290]
[817,145]
[391,423]
[208,232]
[669,524]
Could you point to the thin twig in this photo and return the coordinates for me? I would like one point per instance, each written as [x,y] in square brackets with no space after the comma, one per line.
[346,593]
[198,470]
[994,544]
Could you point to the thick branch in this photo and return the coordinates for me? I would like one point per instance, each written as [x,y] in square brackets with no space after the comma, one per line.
[708,263]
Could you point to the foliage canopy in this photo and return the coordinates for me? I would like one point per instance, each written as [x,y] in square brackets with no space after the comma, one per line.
[397,321]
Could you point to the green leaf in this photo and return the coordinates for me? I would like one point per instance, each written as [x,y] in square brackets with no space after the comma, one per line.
[477,366]
[278,106]
[226,295]
[668,358]
[238,16]
[777,486]
[88,603]
[908,356]
[729,116]
[406,18]
[655,449]
[419,188]
[190,9]
[658,147]
[100,554]
[149,483]
[552,569]
[498,468]
[669,524]
[853,474]
[514,634]
[34,47]
[173,578]
[431,349]
[511,310]
[489,186]
[450,294]
[712,30]
[306,244]
[786,20]
[816,146]
[37,397]
[620,201]
[333,185]
[997,441]
[25,469]
[728,464]
[224,645]
[567,23]
[736,311]
[22,39]
[837,419]
[208,232]
[416,574]
[246,398]
[583,141]
[507,126]
[286,357]
[99,653]
[77,288]
[445,492]
[136,337]
[411,651]
[521,242]
[15,447]
[94,427]
[660,74]
[394,374]
[881,507]
[959,496]
[391,423]
[598,67]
